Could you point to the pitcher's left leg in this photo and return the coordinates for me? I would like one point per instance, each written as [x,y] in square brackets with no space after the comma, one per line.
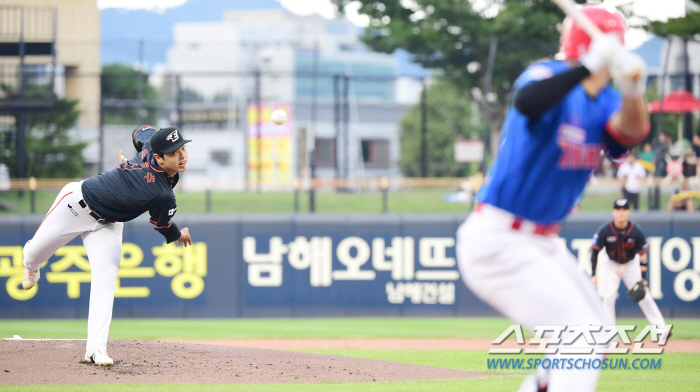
[104,249]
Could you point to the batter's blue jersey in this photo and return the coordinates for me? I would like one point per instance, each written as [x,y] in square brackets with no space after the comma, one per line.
[543,165]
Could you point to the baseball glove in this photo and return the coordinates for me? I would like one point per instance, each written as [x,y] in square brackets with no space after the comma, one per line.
[638,292]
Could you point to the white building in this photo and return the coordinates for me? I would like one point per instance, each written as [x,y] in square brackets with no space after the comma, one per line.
[219,60]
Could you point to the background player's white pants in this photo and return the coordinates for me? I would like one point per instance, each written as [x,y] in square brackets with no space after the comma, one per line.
[103,243]
[630,273]
[532,280]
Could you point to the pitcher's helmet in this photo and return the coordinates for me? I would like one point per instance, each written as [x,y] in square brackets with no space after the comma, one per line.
[575,41]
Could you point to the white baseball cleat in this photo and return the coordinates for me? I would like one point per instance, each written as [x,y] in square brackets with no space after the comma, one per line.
[30,278]
[100,358]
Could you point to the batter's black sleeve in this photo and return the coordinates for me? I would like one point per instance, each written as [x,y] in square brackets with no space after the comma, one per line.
[162,211]
[537,97]
[597,245]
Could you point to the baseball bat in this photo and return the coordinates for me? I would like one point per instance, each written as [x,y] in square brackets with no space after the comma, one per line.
[569,8]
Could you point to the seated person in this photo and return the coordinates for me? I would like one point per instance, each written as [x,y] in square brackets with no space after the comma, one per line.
[684,200]
[648,158]
[689,163]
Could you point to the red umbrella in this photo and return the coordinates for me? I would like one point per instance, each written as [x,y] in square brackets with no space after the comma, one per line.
[679,101]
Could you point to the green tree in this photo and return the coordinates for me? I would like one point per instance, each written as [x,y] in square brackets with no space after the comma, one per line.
[451,117]
[120,82]
[669,121]
[49,150]
[686,29]
[454,37]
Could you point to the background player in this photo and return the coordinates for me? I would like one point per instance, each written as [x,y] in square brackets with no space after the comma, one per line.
[563,114]
[96,209]
[623,240]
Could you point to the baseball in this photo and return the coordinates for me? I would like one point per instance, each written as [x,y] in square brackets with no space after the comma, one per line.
[279,117]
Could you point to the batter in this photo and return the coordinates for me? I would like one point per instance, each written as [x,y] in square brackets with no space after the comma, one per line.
[563,115]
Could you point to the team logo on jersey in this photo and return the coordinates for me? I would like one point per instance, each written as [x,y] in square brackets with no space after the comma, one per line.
[171,211]
[150,177]
[576,154]
[611,239]
[173,137]
[572,134]
[538,72]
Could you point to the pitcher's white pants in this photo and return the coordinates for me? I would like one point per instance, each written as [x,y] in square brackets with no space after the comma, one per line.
[630,273]
[103,243]
[533,280]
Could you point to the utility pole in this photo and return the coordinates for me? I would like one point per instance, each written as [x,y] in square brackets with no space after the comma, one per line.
[424,131]
[486,110]
[258,127]
[346,125]
[312,134]
[139,87]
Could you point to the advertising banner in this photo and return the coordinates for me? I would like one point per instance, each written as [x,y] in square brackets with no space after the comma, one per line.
[322,265]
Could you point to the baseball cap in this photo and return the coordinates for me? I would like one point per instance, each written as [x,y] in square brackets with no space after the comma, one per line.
[621,203]
[167,140]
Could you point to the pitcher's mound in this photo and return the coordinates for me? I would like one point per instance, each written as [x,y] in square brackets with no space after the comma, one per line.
[141,361]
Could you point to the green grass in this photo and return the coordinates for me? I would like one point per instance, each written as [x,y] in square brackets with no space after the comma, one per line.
[595,202]
[320,328]
[418,201]
[678,372]
[264,328]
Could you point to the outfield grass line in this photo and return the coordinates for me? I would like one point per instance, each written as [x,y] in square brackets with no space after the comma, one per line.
[317,328]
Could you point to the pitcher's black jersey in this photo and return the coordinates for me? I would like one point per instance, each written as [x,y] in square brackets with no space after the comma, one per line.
[134,187]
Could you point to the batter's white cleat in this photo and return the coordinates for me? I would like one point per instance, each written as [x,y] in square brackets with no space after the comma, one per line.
[100,358]
[30,278]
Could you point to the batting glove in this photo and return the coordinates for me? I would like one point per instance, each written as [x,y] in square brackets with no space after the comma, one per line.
[600,52]
[629,72]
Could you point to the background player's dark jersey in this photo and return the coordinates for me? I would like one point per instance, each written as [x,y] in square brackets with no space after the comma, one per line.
[620,245]
[134,187]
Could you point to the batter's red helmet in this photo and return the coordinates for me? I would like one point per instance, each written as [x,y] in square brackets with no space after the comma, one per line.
[575,41]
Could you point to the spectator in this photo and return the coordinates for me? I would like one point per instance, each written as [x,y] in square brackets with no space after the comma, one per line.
[634,173]
[689,163]
[607,169]
[647,153]
[696,149]
[662,147]
[685,203]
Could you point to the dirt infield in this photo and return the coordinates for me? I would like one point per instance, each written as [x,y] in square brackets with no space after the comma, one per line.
[24,362]
[672,345]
